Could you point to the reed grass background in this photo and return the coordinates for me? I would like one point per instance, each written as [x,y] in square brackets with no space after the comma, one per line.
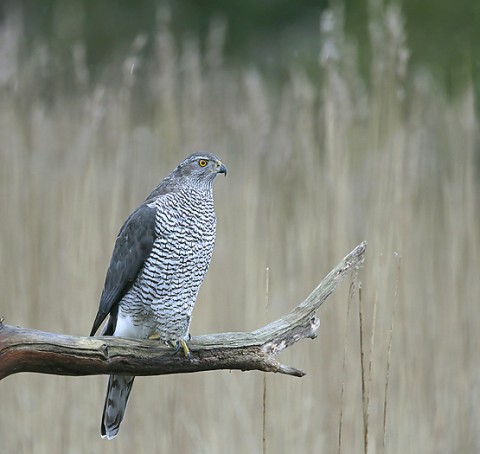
[315,167]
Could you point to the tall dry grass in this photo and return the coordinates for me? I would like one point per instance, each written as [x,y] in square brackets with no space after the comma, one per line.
[314,168]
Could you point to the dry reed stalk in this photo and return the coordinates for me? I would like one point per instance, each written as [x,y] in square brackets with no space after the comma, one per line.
[366,401]
[389,353]
[362,365]
[351,292]
[264,401]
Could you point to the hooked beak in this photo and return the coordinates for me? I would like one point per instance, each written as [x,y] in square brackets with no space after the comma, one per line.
[221,168]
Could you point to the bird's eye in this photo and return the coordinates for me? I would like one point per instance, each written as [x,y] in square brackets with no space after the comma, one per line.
[202,163]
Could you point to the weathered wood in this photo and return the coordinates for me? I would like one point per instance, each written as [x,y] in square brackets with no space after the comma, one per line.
[27,350]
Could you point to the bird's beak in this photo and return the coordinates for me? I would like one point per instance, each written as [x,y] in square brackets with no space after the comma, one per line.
[221,168]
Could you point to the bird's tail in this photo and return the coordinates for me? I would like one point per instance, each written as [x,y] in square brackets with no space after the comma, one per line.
[118,390]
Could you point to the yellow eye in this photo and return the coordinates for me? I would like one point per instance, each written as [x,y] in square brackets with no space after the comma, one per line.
[202,163]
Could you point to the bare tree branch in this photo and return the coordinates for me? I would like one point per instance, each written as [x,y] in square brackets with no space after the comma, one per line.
[27,350]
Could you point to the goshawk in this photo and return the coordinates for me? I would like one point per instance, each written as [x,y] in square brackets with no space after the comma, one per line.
[159,261]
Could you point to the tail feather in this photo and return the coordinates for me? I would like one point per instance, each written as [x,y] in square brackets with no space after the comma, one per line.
[118,390]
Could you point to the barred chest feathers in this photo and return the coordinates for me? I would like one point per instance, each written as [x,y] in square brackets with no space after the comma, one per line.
[162,298]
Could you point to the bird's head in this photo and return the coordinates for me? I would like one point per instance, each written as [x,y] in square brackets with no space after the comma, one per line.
[200,168]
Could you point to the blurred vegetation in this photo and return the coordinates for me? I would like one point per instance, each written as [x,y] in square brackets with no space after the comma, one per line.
[442,35]
[373,148]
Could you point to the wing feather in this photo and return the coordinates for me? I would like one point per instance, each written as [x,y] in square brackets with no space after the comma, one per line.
[132,247]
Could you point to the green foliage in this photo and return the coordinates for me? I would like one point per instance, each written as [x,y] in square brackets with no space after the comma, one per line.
[443,36]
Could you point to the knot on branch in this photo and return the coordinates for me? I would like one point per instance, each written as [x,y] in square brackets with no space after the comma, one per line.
[104,351]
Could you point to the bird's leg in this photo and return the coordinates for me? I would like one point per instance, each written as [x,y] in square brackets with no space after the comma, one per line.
[183,345]
[179,344]
[186,350]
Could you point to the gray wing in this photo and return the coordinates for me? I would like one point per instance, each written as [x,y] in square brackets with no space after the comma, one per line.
[132,247]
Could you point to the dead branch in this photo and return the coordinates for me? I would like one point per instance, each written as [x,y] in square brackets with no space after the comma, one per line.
[27,350]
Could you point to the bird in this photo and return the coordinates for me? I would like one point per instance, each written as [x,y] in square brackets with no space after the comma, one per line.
[159,261]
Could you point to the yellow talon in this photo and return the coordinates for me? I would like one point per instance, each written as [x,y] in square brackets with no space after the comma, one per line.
[180,344]
[186,350]
[154,336]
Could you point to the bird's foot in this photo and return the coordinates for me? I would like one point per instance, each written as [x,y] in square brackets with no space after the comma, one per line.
[181,344]
[154,336]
